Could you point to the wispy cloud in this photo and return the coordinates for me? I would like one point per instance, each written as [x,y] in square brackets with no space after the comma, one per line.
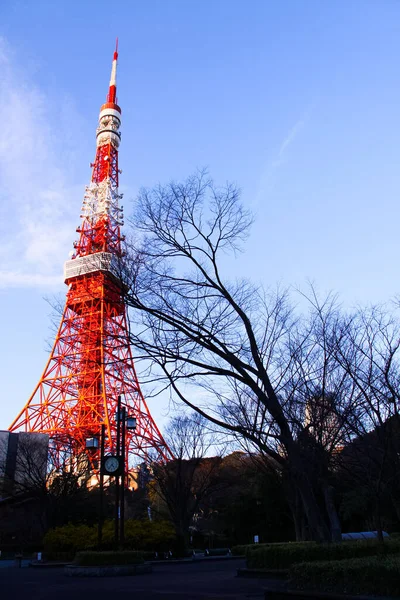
[271,167]
[37,201]
[289,139]
[21,279]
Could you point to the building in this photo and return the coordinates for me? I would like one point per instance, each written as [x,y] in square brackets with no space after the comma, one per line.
[23,461]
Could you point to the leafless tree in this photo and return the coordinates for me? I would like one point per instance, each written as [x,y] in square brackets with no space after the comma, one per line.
[228,349]
[184,483]
[55,493]
[367,348]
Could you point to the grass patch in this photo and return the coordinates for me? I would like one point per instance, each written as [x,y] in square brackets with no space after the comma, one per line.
[102,559]
[375,575]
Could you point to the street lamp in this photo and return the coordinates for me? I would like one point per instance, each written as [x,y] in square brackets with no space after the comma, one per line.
[92,443]
[127,423]
[124,422]
[131,423]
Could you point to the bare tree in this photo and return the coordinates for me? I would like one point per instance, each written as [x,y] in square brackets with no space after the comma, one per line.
[184,483]
[367,348]
[222,347]
[56,493]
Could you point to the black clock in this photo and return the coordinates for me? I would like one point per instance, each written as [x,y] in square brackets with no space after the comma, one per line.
[112,465]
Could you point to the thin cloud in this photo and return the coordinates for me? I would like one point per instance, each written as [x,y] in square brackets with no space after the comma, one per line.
[36,223]
[289,139]
[272,166]
[21,279]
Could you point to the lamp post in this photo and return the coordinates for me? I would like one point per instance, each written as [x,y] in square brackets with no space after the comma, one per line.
[92,443]
[124,423]
[127,423]
[117,499]
[114,466]
[101,492]
[122,497]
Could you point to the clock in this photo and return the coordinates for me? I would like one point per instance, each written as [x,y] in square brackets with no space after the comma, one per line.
[112,465]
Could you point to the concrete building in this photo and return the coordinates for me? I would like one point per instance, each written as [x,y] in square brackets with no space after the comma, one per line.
[23,461]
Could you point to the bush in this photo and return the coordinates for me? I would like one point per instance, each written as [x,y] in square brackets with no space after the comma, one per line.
[150,536]
[378,575]
[283,556]
[139,535]
[149,555]
[59,556]
[99,559]
[242,549]
[217,552]
[70,538]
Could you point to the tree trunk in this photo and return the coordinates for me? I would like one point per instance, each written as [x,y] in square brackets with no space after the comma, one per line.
[297,518]
[297,510]
[182,538]
[378,521]
[319,529]
[336,530]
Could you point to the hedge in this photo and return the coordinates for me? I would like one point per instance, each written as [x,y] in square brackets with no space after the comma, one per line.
[242,549]
[99,559]
[139,535]
[283,556]
[378,575]
[217,552]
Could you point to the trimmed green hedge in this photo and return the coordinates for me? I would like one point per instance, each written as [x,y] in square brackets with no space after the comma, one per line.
[62,557]
[100,559]
[377,575]
[243,549]
[217,552]
[240,550]
[283,556]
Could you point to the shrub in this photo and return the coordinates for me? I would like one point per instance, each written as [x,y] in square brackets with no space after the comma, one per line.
[149,555]
[70,538]
[99,559]
[139,535]
[242,549]
[217,552]
[62,557]
[283,556]
[377,575]
[149,536]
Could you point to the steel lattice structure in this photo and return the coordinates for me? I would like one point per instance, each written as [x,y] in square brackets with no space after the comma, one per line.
[91,363]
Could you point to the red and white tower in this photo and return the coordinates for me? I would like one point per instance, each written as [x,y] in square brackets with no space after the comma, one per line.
[91,364]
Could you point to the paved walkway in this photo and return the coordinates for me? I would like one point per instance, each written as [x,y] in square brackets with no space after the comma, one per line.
[193,581]
[6,564]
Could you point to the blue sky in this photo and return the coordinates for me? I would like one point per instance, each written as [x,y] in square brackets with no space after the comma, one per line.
[296,101]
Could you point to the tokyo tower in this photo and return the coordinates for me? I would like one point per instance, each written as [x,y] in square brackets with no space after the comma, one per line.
[91,365]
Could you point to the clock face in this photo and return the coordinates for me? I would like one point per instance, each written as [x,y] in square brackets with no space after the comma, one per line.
[111,464]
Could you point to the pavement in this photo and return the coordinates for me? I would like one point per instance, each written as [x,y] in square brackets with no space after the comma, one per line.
[6,564]
[191,581]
